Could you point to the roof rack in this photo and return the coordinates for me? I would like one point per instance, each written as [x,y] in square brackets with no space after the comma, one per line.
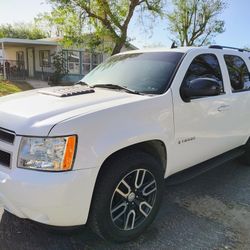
[227,47]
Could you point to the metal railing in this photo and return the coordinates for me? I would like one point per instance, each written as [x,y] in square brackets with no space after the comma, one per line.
[15,70]
[46,72]
[12,69]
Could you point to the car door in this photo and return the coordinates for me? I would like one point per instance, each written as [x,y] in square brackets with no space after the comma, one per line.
[204,127]
[237,65]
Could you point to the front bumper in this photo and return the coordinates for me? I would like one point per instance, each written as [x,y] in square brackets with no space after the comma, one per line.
[59,199]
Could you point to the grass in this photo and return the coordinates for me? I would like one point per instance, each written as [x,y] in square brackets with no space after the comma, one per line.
[7,87]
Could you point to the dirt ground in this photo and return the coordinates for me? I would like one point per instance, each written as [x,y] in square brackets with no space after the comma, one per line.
[211,211]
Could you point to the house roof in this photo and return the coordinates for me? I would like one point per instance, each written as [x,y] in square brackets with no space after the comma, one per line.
[46,41]
[17,41]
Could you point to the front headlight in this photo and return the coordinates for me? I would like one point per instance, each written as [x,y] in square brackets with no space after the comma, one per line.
[49,154]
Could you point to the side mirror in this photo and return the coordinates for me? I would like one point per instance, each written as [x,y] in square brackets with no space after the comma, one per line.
[200,87]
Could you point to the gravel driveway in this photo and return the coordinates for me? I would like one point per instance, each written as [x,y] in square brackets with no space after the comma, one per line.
[211,211]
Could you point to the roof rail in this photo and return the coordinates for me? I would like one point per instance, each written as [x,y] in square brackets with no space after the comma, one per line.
[227,47]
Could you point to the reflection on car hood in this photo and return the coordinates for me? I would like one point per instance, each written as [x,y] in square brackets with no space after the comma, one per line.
[35,113]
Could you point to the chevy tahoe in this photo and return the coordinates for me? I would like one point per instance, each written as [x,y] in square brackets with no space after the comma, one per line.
[97,152]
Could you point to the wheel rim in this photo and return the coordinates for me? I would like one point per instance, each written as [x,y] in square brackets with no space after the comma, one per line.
[133,199]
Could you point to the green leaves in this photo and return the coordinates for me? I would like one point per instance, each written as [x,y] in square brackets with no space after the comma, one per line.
[21,30]
[59,65]
[106,19]
[195,22]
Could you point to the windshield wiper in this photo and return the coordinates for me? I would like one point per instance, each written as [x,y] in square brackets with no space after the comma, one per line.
[114,86]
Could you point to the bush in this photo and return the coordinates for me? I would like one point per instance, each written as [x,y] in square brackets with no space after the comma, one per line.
[59,66]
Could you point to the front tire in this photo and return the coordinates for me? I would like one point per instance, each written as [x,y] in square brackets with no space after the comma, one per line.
[245,158]
[127,196]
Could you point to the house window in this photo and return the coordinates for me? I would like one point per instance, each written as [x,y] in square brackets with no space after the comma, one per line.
[86,62]
[96,59]
[81,62]
[90,61]
[20,56]
[73,62]
[20,59]
[44,58]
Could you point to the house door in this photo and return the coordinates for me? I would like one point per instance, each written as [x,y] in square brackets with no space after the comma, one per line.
[30,52]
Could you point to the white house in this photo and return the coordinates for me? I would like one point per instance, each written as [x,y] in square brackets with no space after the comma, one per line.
[24,58]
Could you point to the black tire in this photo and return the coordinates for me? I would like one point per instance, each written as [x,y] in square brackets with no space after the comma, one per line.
[129,167]
[245,158]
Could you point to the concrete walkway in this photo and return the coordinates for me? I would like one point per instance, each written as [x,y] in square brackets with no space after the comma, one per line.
[36,84]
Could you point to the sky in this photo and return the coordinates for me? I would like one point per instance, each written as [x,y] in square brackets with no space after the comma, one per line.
[236,16]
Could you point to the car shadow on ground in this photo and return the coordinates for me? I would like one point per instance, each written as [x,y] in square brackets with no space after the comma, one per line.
[211,211]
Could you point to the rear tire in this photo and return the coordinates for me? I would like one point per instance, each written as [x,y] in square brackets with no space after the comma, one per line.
[127,196]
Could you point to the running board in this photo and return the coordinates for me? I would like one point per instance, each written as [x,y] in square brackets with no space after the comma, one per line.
[203,167]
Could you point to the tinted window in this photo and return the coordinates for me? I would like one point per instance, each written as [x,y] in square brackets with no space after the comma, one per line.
[238,73]
[144,72]
[204,66]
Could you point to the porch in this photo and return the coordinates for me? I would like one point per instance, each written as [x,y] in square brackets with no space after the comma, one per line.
[26,59]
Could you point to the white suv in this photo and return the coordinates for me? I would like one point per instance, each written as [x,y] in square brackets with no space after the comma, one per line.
[98,152]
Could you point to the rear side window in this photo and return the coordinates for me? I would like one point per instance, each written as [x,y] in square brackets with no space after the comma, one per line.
[238,73]
[204,66]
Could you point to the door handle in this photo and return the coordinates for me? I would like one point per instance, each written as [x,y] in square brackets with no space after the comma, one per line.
[223,108]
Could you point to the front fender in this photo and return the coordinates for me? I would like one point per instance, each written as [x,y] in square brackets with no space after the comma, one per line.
[106,131]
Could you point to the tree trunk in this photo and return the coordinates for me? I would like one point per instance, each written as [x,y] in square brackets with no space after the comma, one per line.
[118,47]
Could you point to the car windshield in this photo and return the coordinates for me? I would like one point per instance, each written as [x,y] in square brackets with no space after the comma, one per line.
[148,73]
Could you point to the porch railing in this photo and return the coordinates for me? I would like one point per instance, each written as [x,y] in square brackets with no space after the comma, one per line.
[15,70]
[46,72]
[12,70]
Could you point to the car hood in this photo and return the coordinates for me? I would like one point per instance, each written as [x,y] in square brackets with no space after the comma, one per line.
[35,112]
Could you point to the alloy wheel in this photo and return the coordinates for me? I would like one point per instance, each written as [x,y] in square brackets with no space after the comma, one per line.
[133,199]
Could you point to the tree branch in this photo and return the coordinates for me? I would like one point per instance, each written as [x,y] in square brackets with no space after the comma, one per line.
[106,23]
[111,15]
